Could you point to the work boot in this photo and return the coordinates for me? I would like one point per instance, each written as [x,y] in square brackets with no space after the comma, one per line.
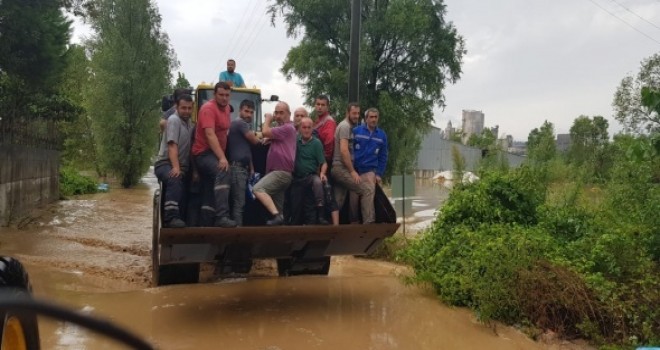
[277,220]
[224,222]
[175,223]
[320,216]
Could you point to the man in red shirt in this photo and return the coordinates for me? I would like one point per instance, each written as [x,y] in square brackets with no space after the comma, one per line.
[209,154]
[325,126]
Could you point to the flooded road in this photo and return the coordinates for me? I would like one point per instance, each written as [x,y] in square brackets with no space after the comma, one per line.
[93,255]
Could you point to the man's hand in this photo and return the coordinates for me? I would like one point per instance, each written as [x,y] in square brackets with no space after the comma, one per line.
[356,177]
[379,180]
[223,165]
[323,178]
[268,118]
[175,172]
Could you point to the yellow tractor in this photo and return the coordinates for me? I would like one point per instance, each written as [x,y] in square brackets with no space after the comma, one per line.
[204,93]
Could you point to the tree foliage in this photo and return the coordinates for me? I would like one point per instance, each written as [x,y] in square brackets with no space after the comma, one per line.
[78,143]
[409,52]
[541,145]
[33,39]
[131,63]
[589,136]
[628,107]
[485,140]
[181,82]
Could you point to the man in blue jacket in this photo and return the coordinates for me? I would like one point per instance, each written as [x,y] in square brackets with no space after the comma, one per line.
[370,154]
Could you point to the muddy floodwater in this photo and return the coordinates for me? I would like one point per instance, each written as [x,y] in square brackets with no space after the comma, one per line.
[93,254]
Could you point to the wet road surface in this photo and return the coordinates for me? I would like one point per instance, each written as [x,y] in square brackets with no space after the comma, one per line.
[93,254]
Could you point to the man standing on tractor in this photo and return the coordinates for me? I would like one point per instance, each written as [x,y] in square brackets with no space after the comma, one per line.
[209,153]
[240,157]
[230,76]
[325,126]
[173,161]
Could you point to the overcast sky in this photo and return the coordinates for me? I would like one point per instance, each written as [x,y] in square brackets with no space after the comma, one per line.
[527,60]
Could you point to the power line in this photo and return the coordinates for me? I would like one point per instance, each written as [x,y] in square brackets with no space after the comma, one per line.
[234,35]
[252,38]
[638,16]
[242,32]
[622,20]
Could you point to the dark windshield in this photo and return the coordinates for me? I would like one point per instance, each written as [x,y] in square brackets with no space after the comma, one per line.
[236,98]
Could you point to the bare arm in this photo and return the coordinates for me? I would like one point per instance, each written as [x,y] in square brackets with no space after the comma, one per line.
[265,128]
[173,154]
[322,173]
[214,144]
[163,124]
[251,138]
[346,160]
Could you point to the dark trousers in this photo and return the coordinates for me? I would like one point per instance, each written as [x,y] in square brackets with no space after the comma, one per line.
[306,197]
[215,203]
[239,177]
[174,191]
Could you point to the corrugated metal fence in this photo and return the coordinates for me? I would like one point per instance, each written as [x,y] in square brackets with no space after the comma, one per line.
[435,155]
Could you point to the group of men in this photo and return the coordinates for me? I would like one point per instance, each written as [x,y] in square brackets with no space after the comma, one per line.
[301,155]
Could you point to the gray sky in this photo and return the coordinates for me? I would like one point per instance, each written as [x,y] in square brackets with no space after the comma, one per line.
[527,60]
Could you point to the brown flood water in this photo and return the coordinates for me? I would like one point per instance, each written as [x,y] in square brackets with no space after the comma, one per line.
[93,255]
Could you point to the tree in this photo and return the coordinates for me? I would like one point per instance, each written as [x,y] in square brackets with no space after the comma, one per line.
[486,140]
[588,137]
[541,146]
[131,63]
[181,81]
[628,107]
[409,52]
[79,145]
[33,39]
[589,147]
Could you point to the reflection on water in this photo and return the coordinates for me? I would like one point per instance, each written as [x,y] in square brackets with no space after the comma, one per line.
[362,305]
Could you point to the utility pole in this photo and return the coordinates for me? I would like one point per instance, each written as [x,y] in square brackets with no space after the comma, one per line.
[354,57]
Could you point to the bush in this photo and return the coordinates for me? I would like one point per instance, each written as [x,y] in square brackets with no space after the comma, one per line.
[512,252]
[72,183]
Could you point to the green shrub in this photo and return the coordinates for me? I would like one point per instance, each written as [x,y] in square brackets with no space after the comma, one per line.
[72,183]
[513,251]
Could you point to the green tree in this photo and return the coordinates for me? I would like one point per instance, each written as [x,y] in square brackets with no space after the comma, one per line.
[33,39]
[541,143]
[131,63]
[588,137]
[409,52]
[79,146]
[485,140]
[181,81]
[628,107]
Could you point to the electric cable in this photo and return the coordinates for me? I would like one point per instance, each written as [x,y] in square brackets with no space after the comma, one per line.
[631,11]
[252,39]
[624,21]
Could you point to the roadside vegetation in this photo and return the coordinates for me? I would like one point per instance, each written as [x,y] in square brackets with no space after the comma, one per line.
[569,242]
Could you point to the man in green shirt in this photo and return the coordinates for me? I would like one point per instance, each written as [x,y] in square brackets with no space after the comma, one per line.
[309,174]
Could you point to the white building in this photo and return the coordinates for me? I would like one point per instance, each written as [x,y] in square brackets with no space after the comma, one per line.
[473,124]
